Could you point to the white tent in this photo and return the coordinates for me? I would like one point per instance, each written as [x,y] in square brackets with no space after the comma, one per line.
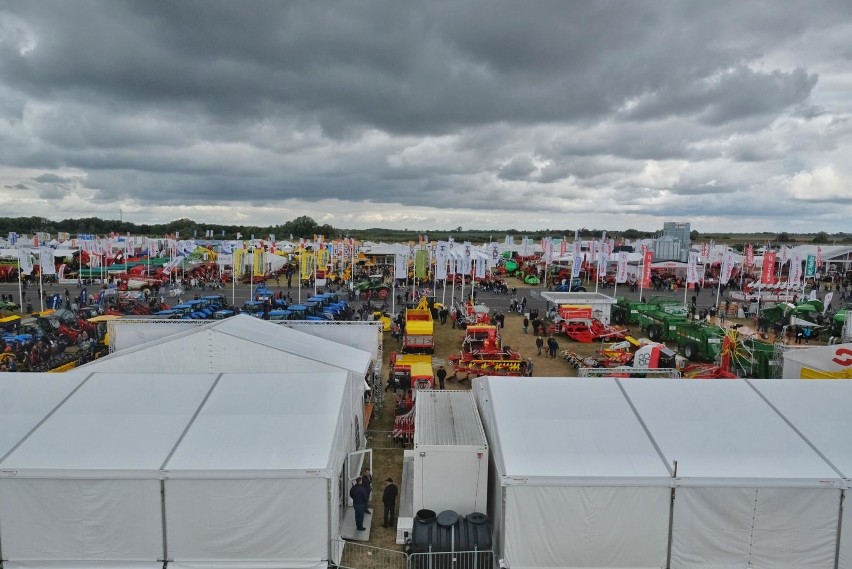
[239,344]
[129,332]
[816,361]
[244,469]
[585,470]
[577,482]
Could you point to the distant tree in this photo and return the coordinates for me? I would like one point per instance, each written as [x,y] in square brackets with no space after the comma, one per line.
[632,234]
[821,237]
[783,237]
[694,235]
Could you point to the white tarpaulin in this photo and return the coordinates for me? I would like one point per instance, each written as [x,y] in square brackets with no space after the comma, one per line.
[249,465]
[584,487]
[580,465]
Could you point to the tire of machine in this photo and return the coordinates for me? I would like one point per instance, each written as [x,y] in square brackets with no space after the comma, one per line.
[618,316]
[690,351]
[655,333]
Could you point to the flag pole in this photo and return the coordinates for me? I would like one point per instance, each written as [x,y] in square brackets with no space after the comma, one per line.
[40,285]
[20,281]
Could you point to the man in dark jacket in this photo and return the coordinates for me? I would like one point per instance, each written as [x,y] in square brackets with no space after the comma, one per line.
[441,374]
[360,497]
[389,500]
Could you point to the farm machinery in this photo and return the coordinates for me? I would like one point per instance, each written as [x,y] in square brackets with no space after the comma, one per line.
[372,287]
[482,353]
[628,311]
[419,333]
[468,314]
[578,323]
[409,373]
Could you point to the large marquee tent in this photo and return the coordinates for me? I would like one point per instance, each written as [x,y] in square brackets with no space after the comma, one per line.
[650,473]
[202,470]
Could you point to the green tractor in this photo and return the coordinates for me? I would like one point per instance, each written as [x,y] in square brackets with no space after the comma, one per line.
[627,311]
[373,284]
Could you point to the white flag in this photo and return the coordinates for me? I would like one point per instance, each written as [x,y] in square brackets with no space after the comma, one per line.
[26,261]
[441,256]
[494,257]
[603,259]
[400,266]
[467,261]
[795,269]
[480,267]
[621,271]
[692,268]
[46,262]
[170,266]
[727,266]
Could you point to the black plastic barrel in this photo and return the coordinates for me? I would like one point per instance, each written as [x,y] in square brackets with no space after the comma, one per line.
[448,531]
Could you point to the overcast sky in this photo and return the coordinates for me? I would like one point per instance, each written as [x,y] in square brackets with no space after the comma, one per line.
[734,116]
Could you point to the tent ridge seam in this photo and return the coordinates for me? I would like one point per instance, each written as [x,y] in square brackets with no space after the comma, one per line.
[644,427]
[191,422]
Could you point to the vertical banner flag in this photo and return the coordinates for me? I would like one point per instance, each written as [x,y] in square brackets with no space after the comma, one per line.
[480,266]
[749,255]
[819,258]
[795,272]
[621,269]
[525,242]
[767,274]
[26,262]
[647,259]
[400,265]
[603,260]
[170,266]
[421,263]
[577,265]
[692,268]
[451,261]
[705,251]
[441,260]
[495,255]
[467,263]
[784,255]
[727,267]
[46,262]
[563,247]
[810,266]
[258,268]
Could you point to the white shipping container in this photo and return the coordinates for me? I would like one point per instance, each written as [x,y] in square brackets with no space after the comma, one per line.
[450,453]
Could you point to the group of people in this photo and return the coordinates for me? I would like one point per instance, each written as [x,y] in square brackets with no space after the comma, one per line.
[360,493]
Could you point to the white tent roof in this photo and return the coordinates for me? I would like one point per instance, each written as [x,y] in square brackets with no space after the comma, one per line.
[568,428]
[723,430]
[135,425]
[26,399]
[238,344]
[820,412]
[259,422]
[720,432]
[115,422]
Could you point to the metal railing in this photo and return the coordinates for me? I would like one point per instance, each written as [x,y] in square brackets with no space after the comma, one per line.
[452,560]
[354,555]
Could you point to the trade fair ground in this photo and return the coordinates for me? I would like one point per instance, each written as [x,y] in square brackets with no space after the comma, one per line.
[233,444]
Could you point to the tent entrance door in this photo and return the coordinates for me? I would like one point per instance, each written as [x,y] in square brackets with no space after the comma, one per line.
[355,462]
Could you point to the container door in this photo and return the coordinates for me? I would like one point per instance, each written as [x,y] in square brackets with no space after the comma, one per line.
[355,462]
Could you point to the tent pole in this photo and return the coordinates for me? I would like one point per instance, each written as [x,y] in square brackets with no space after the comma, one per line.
[671,521]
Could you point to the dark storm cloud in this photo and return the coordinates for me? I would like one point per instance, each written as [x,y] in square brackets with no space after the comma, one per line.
[472,103]
[18,187]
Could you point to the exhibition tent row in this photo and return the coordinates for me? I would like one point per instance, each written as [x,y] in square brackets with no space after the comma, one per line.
[651,473]
[185,448]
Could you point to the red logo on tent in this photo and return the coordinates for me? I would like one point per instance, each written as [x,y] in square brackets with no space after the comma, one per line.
[843,361]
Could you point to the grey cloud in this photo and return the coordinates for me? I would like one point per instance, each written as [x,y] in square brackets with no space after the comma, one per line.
[519,168]
[53,179]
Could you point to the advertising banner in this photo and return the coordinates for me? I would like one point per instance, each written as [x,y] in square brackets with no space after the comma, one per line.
[692,268]
[810,266]
[647,259]
[767,275]
[621,269]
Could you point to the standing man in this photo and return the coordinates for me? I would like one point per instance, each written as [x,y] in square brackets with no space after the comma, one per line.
[539,343]
[367,481]
[359,497]
[441,374]
[526,324]
[389,500]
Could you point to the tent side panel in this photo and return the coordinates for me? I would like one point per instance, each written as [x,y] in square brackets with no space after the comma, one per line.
[65,522]
[247,523]
[754,527]
[576,527]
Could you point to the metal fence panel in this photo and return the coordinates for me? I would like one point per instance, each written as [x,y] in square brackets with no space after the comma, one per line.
[452,560]
[356,555]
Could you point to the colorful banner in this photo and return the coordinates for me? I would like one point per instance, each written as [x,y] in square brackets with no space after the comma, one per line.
[621,270]
[647,259]
[749,255]
[819,258]
[421,263]
[767,275]
[810,266]
[577,265]
[692,268]
[257,264]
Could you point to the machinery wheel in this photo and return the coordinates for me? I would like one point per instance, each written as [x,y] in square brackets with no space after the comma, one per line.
[690,351]
[655,333]
[618,316]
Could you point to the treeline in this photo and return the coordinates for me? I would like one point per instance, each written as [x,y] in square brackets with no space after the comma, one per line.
[306,227]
